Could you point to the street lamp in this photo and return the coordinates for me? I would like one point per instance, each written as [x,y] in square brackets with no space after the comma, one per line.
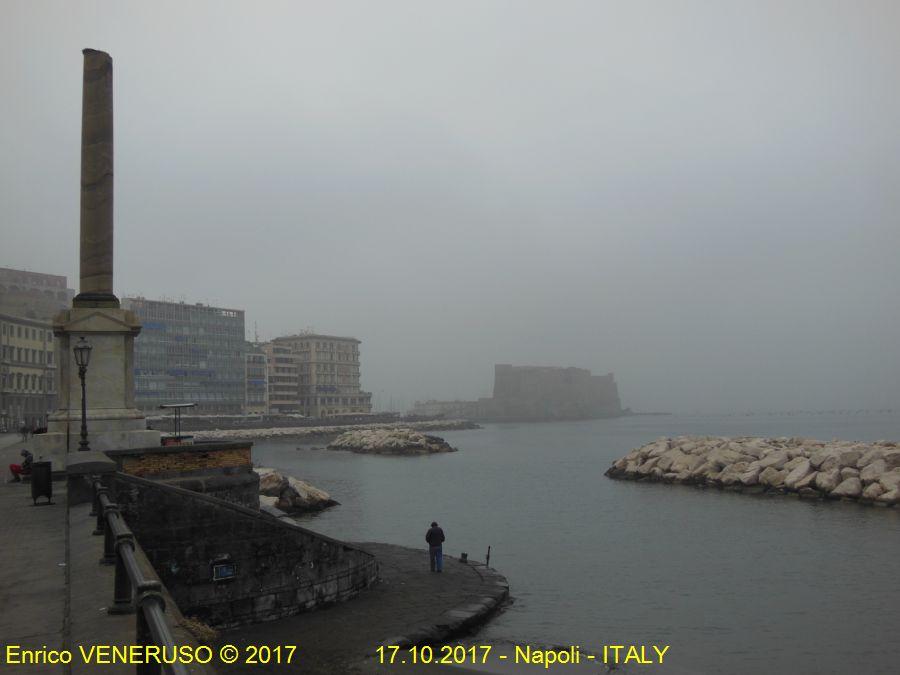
[82,351]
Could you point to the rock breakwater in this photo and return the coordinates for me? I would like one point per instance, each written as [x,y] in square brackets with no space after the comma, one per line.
[323,431]
[390,442]
[864,472]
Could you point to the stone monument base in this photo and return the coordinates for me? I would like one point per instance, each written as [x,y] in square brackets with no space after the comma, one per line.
[113,422]
[106,431]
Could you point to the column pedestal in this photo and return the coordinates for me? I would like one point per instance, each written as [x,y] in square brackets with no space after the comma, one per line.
[113,422]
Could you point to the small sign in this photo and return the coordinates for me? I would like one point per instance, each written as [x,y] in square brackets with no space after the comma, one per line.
[224,571]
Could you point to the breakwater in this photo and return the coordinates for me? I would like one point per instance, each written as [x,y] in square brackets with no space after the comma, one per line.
[864,472]
[390,442]
[327,431]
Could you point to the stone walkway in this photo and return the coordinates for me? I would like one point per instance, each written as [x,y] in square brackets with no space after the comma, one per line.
[53,591]
[42,548]
[32,572]
[410,604]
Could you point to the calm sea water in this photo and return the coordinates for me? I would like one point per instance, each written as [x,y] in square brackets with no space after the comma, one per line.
[734,583]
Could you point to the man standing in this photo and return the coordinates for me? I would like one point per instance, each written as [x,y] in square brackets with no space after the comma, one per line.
[435,537]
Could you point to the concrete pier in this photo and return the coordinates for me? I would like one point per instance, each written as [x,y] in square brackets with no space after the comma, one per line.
[409,606]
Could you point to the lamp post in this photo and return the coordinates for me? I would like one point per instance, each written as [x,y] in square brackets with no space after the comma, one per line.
[82,351]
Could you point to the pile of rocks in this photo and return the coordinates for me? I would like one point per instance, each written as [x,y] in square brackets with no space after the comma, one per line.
[390,442]
[289,494]
[329,430]
[867,472]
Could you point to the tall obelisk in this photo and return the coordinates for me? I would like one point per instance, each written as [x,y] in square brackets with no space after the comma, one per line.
[113,421]
[96,269]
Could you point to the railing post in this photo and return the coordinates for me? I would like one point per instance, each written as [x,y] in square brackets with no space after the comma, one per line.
[149,592]
[123,593]
[109,542]
[95,485]
[100,528]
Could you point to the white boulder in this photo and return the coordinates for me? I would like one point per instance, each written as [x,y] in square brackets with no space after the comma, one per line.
[851,487]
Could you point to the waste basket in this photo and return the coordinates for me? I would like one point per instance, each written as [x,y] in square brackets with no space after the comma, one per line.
[41,482]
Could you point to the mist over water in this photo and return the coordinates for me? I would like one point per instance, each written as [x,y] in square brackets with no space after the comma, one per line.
[734,583]
[700,197]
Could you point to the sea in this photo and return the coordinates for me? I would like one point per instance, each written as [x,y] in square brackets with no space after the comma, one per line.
[732,583]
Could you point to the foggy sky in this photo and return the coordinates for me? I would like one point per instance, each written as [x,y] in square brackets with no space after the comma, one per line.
[702,197]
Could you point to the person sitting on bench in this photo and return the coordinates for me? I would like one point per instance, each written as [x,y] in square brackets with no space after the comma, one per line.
[23,469]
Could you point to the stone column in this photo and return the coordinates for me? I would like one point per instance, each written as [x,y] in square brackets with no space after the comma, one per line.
[113,421]
[96,289]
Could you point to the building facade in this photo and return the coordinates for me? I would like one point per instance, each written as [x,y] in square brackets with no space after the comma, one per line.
[189,353]
[256,380]
[283,384]
[33,295]
[326,375]
[28,372]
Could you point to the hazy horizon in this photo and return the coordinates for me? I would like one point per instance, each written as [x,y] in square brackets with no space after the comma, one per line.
[702,199]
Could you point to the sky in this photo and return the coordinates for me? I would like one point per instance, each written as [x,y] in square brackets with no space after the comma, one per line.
[702,197]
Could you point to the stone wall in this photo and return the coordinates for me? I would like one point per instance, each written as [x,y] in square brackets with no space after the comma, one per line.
[223,470]
[280,569]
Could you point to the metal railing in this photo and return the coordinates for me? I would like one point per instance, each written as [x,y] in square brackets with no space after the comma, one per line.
[133,592]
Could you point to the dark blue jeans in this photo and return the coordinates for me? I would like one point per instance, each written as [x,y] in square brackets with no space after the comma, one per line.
[436,558]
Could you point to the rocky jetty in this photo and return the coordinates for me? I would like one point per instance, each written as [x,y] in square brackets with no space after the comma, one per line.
[326,431]
[289,494]
[864,472]
[390,442]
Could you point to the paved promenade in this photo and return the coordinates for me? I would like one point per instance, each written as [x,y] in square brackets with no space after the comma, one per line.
[53,591]
[33,578]
[410,602]
[54,594]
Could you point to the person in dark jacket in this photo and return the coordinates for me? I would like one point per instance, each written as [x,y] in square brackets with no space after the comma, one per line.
[18,470]
[435,539]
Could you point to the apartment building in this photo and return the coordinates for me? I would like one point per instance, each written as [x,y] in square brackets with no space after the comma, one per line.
[33,295]
[28,372]
[326,376]
[256,380]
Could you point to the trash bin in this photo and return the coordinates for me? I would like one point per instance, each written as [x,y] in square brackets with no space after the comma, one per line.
[41,482]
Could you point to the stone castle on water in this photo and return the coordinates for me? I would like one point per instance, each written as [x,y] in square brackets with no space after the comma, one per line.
[536,394]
